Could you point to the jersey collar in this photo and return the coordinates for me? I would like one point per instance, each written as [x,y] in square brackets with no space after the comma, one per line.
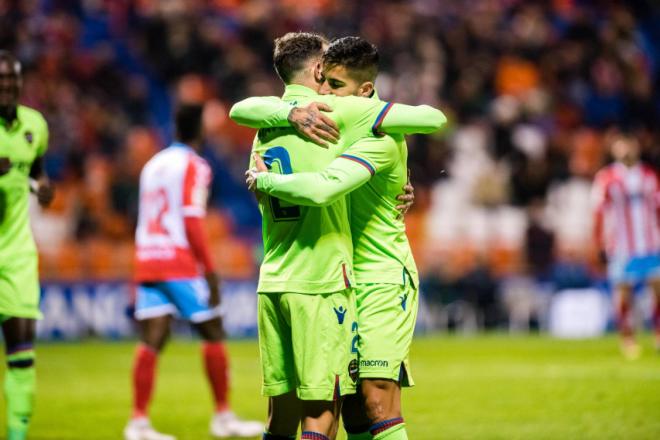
[297,91]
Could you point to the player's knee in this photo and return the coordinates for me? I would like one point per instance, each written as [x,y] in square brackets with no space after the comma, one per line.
[379,400]
[155,333]
[20,356]
[376,408]
[211,331]
[155,340]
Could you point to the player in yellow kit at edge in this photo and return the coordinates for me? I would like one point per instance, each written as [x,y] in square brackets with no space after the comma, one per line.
[23,142]
[372,167]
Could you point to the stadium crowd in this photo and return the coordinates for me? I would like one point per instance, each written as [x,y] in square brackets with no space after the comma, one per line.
[532,89]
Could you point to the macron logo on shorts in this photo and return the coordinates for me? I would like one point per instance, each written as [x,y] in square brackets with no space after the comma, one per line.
[340,312]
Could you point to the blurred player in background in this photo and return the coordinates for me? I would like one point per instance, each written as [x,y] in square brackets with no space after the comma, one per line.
[385,270]
[627,230]
[171,248]
[23,142]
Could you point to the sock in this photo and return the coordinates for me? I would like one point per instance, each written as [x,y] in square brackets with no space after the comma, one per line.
[20,384]
[269,436]
[217,371]
[144,369]
[392,429]
[311,435]
[625,327]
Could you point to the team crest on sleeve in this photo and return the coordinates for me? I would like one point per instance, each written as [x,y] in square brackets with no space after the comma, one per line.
[29,137]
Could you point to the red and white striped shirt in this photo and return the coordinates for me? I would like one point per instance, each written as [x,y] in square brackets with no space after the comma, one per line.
[627,210]
[173,186]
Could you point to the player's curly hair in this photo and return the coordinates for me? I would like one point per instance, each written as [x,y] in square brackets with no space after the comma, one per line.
[293,49]
[357,55]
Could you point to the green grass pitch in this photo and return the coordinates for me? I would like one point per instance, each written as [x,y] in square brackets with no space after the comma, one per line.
[487,387]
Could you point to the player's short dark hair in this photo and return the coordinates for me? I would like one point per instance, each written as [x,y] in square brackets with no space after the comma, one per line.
[357,55]
[294,49]
[188,120]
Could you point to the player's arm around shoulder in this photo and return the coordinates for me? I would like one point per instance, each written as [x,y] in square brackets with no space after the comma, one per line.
[315,121]
[381,117]
[308,120]
[316,189]
[352,169]
[261,112]
[409,119]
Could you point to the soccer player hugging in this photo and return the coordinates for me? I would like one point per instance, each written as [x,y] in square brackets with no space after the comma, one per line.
[325,263]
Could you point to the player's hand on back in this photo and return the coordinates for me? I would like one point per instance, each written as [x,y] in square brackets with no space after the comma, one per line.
[407,198]
[214,288]
[312,124]
[252,174]
[5,165]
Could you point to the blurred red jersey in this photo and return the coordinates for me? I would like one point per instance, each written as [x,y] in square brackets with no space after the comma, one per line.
[627,210]
[173,185]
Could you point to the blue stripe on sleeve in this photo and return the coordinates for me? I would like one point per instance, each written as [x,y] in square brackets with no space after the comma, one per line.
[361,161]
[380,118]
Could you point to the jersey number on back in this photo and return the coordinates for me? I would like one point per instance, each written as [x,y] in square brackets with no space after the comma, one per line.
[279,157]
[158,206]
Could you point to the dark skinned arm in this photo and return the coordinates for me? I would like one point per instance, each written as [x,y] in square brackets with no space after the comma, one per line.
[42,187]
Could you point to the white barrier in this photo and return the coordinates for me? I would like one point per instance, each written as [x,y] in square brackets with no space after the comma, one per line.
[579,313]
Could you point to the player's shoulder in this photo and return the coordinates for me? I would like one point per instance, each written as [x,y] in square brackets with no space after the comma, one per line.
[196,165]
[326,99]
[31,116]
[170,157]
[198,161]
[357,101]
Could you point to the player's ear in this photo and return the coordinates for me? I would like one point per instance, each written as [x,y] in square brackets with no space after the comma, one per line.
[318,73]
[366,89]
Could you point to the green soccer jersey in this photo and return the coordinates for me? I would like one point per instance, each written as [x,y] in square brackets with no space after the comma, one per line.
[306,249]
[373,171]
[22,142]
